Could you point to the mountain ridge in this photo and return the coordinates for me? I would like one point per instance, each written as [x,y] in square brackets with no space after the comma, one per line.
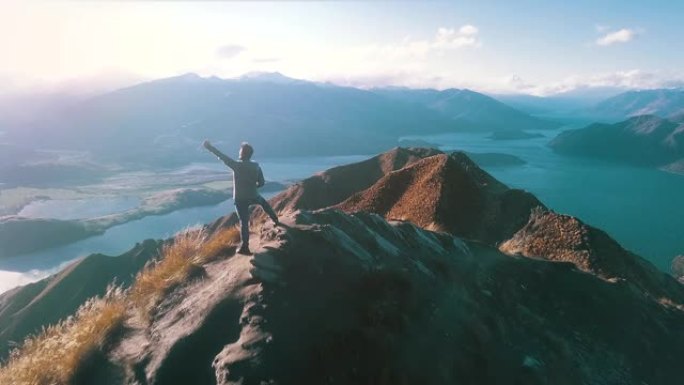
[663,102]
[355,297]
[512,220]
[642,140]
[483,112]
[157,122]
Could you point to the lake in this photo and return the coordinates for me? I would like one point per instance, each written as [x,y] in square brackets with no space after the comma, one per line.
[31,267]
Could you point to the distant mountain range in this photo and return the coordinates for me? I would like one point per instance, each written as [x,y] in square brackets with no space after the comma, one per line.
[661,102]
[643,140]
[604,104]
[479,110]
[570,104]
[163,121]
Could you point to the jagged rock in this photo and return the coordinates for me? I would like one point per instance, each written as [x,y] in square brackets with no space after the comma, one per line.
[564,238]
[354,299]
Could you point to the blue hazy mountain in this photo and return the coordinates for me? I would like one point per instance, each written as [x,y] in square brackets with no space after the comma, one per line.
[481,111]
[164,121]
[660,102]
[643,140]
[568,105]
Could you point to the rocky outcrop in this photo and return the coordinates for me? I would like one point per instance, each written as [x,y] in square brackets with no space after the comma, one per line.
[447,193]
[26,309]
[556,237]
[337,184]
[426,186]
[353,299]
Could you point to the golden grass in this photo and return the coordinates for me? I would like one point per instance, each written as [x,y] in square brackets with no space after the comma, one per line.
[221,242]
[55,355]
[189,249]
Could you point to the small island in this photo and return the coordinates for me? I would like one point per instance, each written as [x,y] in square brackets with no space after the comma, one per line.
[514,135]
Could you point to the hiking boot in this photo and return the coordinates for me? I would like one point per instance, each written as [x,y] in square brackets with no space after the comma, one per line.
[244,250]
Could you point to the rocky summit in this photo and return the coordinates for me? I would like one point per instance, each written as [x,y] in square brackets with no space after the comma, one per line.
[412,267]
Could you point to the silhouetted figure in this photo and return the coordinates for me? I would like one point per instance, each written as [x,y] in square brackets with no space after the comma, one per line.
[247,177]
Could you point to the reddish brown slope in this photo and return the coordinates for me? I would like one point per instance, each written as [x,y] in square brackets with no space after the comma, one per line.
[557,237]
[337,184]
[447,193]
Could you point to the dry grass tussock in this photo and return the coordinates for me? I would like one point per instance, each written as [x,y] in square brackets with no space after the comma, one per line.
[180,259]
[56,354]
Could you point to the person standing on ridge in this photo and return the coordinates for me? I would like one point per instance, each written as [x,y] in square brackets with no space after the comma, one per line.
[247,177]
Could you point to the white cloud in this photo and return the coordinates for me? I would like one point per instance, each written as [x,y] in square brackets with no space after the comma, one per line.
[229,51]
[445,39]
[627,79]
[405,62]
[449,38]
[623,35]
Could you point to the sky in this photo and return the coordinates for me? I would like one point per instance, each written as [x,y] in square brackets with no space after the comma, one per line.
[507,46]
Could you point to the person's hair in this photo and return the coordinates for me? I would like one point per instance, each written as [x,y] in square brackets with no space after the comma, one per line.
[246,150]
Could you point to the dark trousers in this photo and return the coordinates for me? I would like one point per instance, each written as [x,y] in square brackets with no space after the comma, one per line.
[242,210]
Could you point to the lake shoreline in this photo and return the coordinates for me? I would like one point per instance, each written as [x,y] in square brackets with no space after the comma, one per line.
[69,231]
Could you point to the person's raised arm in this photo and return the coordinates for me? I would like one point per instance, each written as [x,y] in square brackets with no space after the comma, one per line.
[223,157]
[260,180]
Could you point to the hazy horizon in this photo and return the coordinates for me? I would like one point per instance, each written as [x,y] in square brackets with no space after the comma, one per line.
[497,47]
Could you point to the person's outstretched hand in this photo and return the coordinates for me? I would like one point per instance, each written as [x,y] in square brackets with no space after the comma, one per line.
[206,144]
